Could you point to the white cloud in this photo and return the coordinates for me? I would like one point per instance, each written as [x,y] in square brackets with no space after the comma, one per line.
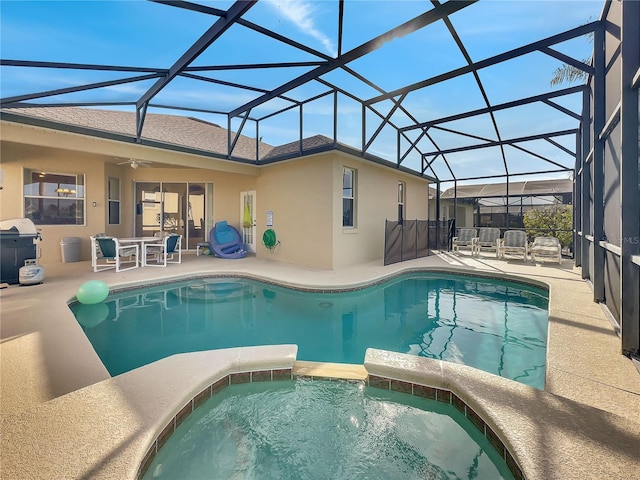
[300,13]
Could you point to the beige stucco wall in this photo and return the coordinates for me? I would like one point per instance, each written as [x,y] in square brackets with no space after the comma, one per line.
[299,193]
[464,214]
[306,199]
[59,152]
[432,204]
[14,159]
[468,215]
[376,201]
[305,195]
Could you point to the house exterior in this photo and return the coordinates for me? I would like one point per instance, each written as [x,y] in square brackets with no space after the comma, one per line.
[463,215]
[485,205]
[70,170]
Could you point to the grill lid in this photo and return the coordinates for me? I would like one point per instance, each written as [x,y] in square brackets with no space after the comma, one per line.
[23,226]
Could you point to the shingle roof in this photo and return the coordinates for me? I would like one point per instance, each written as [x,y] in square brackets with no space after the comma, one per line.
[169,129]
[184,133]
[293,148]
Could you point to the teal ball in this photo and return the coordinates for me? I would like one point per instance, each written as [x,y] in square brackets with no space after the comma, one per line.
[92,292]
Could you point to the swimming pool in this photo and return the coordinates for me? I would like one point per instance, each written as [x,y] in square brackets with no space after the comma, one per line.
[493,325]
[320,429]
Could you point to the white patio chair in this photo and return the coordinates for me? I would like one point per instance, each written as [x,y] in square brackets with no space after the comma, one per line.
[163,252]
[107,253]
[467,237]
[546,247]
[514,242]
[95,248]
[488,239]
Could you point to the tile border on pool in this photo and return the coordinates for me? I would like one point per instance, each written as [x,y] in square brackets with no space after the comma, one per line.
[311,289]
[375,381]
[447,396]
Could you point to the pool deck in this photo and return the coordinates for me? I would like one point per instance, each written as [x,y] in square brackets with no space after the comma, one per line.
[53,386]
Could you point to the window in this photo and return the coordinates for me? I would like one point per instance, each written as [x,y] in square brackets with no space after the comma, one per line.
[401,192]
[113,200]
[53,198]
[348,197]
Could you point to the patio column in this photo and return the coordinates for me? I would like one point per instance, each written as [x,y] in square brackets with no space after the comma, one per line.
[438,215]
[585,178]
[577,203]
[597,163]
[629,180]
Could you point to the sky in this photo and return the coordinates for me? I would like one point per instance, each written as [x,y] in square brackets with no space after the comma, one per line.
[146,34]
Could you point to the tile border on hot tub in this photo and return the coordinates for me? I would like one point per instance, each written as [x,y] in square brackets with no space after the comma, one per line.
[449,397]
[375,381]
[205,394]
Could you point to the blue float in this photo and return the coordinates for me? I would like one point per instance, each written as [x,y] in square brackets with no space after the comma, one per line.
[92,292]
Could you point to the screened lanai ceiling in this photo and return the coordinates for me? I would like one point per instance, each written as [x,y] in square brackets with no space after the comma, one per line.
[456,90]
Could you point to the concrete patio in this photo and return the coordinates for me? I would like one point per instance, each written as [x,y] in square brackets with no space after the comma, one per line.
[52,377]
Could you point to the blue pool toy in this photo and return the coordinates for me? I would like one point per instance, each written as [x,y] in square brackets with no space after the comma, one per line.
[91,292]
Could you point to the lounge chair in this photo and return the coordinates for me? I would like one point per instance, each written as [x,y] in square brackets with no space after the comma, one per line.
[226,241]
[546,247]
[163,252]
[107,253]
[514,242]
[467,237]
[488,239]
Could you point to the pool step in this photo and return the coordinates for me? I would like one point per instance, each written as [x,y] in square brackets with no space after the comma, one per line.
[330,370]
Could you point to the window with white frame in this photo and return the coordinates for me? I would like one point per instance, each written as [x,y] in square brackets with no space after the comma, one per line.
[401,194]
[113,200]
[348,197]
[54,198]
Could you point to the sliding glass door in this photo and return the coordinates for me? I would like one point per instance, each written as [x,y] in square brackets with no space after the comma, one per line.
[173,208]
[196,215]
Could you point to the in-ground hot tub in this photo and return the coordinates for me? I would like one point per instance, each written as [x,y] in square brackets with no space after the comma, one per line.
[322,429]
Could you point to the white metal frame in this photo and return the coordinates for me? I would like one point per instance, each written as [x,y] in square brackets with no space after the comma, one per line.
[511,244]
[123,252]
[546,247]
[159,253]
[467,237]
[484,244]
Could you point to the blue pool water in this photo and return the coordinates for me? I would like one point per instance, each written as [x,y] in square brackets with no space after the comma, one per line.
[325,430]
[496,326]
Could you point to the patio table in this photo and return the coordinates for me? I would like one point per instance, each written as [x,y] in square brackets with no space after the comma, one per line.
[141,241]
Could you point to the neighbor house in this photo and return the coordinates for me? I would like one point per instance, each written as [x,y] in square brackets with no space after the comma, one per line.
[485,204]
[77,172]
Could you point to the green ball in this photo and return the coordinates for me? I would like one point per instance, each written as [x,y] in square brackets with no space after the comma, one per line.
[90,316]
[91,292]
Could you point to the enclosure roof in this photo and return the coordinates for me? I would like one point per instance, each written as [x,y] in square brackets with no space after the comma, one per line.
[516,189]
[455,90]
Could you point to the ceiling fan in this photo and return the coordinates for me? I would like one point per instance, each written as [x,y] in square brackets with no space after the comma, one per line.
[133,163]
